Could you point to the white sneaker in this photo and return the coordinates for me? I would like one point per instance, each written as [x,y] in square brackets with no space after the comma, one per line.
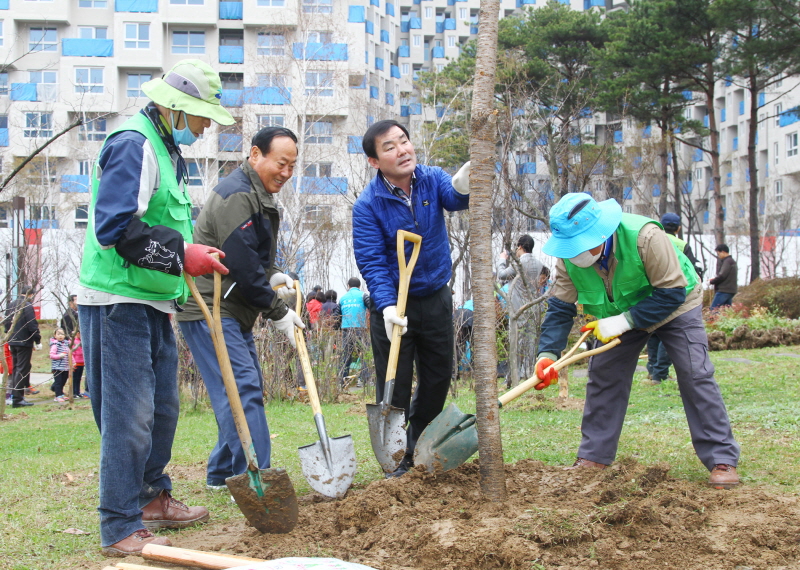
[216,487]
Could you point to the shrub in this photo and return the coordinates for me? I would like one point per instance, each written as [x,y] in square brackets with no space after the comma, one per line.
[728,319]
[780,296]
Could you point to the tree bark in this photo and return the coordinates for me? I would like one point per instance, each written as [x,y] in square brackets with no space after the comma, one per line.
[483,156]
[716,177]
[755,232]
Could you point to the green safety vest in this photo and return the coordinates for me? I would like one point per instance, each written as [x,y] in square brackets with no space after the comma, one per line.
[630,284]
[104,269]
[679,244]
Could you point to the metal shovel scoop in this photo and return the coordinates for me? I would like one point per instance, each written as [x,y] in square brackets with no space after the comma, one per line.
[387,431]
[452,437]
[329,465]
[266,497]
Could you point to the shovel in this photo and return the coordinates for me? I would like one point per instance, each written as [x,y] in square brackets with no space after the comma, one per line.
[329,465]
[452,438]
[265,496]
[387,430]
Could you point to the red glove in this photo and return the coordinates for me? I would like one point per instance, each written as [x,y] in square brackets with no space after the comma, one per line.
[548,378]
[197,260]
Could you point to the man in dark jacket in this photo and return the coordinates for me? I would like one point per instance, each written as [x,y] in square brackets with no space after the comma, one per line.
[241,218]
[69,320]
[725,285]
[24,338]
[407,196]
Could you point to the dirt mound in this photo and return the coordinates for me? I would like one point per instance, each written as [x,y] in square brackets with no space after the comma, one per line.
[626,517]
[743,337]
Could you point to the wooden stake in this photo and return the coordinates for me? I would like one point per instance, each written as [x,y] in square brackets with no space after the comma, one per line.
[195,558]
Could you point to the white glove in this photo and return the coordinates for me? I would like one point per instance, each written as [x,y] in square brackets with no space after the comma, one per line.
[390,319]
[287,323]
[609,328]
[461,179]
[286,294]
[37,346]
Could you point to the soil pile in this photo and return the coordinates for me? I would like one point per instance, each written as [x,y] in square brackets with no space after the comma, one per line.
[743,337]
[626,517]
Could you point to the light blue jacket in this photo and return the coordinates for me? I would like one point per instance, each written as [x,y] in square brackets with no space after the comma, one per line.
[354,311]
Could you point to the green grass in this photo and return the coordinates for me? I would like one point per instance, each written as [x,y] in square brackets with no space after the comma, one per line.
[40,447]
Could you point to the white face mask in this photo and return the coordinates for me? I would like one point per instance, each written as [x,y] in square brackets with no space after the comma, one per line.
[585,259]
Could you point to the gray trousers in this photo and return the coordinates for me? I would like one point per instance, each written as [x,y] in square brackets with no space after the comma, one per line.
[609,387]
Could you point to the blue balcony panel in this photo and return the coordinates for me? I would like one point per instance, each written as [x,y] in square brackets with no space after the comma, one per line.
[394,71]
[747,175]
[741,107]
[3,137]
[527,168]
[473,30]
[376,3]
[404,27]
[729,179]
[369,27]
[415,108]
[405,111]
[229,142]
[331,185]
[136,6]
[3,4]
[762,99]
[23,92]
[403,51]
[230,10]
[735,143]
[267,95]
[656,190]
[688,95]
[705,217]
[698,155]
[389,9]
[320,52]
[41,224]
[617,136]
[390,99]
[627,193]
[723,114]
[75,183]
[687,187]
[374,93]
[232,98]
[449,24]
[789,117]
[437,51]
[415,24]
[354,145]
[440,27]
[646,132]
[231,54]
[705,121]
[379,63]
[356,14]
[385,36]
[87,48]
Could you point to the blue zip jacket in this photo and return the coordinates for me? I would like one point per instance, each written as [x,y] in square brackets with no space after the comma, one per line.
[378,214]
[354,311]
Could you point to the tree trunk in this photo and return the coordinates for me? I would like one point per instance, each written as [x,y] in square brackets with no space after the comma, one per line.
[483,157]
[676,176]
[716,177]
[755,233]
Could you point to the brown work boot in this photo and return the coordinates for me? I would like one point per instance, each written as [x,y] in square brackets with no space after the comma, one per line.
[581,462]
[723,476]
[166,512]
[133,544]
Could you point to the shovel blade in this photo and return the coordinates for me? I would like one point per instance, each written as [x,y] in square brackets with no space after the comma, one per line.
[334,480]
[448,441]
[387,433]
[275,510]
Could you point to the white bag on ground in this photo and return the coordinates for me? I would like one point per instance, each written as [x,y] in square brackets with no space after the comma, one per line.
[304,564]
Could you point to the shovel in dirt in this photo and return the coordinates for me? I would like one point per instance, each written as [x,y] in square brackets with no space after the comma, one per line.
[265,496]
[387,431]
[452,437]
[329,465]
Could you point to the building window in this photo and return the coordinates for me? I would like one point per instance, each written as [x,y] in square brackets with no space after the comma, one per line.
[791,144]
[318,6]
[88,80]
[41,212]
[46,84]
[270,121]
[320,37]
[85,168]
[778,111]
[319,83]
[194,2]
[3,83]
[92,33]
[43,39]
[776,153]
[316,215]
[318,170]
[93,130]
[5,208]
[451,41]
[404,69]
[271,80]
[319,132]
[135,81]
[779,190]
[271,44]
[698,174]
[439,67]
[462,14]
[1,32]
[137,36]
[81,216]
[188,42]
[92,4]
[195,173]
[270,2]
[417,40]
[428,12]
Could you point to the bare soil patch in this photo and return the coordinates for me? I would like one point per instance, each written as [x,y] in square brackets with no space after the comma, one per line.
[627,517]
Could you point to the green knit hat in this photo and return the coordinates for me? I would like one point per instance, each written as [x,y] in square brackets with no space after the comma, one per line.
[193,87]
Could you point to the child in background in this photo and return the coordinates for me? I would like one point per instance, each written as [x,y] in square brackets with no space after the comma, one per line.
[77,366]
[59,355]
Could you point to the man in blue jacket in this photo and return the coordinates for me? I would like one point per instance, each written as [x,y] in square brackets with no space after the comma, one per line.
[407,196]
[354,321]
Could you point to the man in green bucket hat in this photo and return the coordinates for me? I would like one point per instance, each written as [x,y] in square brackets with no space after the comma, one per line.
[138,244]
[627,273]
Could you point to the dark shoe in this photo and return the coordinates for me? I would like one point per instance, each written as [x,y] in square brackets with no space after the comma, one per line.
[21,404]
[166,512]
[723,476]
[134,544]
[651,382]
[405,464]
[581,462]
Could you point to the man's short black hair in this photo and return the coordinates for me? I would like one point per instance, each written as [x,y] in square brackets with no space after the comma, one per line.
[263,138]
[73,298]
[26,290]
[354,282]
[330,295]
[722,247]
[376,130]
[525,242]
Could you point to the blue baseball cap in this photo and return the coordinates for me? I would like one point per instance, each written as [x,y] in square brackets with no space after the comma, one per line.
[671,219]
[580,223]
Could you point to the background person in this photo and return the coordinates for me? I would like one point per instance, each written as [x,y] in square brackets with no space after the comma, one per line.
[353,309]
[407,196]
[25,337]
[69,320]
[725,281]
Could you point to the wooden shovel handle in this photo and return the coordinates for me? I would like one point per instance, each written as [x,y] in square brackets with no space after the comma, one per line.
[562,362]
[218,338]
[194,558]
[305,361]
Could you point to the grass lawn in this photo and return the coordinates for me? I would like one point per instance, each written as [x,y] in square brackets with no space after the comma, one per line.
[49,454]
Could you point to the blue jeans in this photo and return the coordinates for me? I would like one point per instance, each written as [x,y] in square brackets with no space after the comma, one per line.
[722,300]
[131,370]
[227,458]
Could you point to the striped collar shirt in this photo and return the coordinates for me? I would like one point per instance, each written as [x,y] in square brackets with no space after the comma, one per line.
[399,192]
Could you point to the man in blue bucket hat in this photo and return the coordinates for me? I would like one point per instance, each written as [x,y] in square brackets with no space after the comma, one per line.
[627,273]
